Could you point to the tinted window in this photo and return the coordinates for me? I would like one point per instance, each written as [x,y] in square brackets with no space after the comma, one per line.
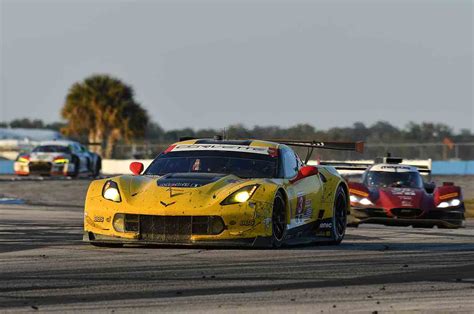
[289,162]
[51,149]
[244,165]
[393,179]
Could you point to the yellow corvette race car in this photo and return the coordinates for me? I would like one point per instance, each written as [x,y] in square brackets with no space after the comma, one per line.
[222,192]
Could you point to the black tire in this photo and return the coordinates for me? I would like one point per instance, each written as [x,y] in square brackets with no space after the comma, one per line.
[97,168]
[339,216]
[77,164]
[278,220]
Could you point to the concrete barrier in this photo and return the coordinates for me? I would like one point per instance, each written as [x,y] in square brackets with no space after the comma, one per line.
[453,167]
[115,166]
[6,166]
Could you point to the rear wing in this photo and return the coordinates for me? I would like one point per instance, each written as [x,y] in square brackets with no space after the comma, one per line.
[311,145]
[353,167]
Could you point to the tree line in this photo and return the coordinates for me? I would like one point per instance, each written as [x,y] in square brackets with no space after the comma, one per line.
[379,132]
[102,109]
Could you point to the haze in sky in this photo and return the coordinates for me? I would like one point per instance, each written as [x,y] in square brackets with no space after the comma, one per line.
[207,64]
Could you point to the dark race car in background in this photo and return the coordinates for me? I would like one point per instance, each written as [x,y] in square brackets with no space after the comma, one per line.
[62,157]
[392,192]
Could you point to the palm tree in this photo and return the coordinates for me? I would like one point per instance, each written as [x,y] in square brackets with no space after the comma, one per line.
[103,109]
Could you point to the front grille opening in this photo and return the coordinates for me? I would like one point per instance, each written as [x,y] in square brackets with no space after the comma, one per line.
[406,212]
[173,228]
[42,167]
[132,223]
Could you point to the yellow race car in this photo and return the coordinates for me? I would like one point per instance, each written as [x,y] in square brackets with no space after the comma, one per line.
[222,192]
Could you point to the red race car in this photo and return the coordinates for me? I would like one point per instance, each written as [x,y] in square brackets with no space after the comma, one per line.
[392,192]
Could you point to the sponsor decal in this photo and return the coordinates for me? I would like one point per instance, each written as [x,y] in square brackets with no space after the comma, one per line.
[221,147]
[396,167]
[179,184]
[267,222]
[403,191]
[303,209]
[325,225]
[300,201]
[247,223]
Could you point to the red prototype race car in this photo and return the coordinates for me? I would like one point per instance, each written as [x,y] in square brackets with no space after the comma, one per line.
[394,193]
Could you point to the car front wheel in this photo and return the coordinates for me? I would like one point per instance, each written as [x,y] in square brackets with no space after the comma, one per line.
[339,216]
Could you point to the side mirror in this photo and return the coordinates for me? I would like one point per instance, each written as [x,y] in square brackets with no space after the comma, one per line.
[304,172]
[429,187]
[136,167]
[307,171]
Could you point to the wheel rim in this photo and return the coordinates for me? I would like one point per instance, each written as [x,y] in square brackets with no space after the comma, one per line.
[340,216]
[278,218]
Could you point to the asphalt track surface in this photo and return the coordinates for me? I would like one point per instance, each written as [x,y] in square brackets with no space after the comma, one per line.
[44,266]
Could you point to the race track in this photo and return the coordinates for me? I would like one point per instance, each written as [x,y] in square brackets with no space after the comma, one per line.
[45,266]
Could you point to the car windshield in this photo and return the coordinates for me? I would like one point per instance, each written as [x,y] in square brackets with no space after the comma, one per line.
[243,165]
[51,149]
[394,179]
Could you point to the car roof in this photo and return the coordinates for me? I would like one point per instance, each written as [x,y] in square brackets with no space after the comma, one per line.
[58,143]
[249,142]
[393,168]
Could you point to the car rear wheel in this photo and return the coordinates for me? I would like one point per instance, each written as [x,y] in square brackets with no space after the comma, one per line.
[278,220]
[97,167]
[339,216]
[76,163]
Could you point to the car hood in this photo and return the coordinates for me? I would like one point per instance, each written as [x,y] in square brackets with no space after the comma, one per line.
[45,156]
[193,189]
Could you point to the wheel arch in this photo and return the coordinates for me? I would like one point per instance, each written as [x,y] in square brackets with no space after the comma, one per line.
[285,198]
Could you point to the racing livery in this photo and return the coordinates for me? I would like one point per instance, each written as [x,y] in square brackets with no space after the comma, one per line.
[61,157]
[223,192]
[393,193]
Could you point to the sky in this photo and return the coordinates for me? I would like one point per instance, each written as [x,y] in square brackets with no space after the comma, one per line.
[210,64]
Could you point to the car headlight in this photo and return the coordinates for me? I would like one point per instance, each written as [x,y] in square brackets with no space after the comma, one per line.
[363,201]
[111,192]
[366,201]
[452,203]
[60,160]
[354,199]
[240,196]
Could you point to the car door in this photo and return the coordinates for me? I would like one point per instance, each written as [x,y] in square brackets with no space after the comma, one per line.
[83,159]
[304,195]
